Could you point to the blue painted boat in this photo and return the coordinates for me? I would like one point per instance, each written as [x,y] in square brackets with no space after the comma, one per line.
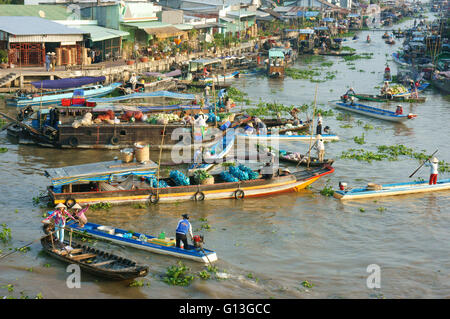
[67,83]
[55,97]
[268,137]
[375,112]
[144,242]
[392,189]
[218,151]
[420,88]
[220,77]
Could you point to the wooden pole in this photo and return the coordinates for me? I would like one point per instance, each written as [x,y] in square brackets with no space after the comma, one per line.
[312,126]
[159,162]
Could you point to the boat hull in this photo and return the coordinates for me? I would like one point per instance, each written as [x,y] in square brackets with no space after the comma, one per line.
[191,254]
[56,98]
[307,138]
[227,190]
[373,112]
[393,189]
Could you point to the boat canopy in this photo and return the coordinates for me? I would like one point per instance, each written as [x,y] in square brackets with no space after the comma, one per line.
[99,171]
[321,28]
[353,15]
[205,61]
[174,73]
[166,94]
[276,53]
[307,14]
[68,82]
[301,31]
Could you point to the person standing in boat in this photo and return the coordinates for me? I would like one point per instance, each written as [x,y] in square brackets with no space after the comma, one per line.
[184,228]
[294,113]
[319,124]
[434,167]
[261,128]
[413,89]
[78,213]
[59,215]
[320,147]
[133,81]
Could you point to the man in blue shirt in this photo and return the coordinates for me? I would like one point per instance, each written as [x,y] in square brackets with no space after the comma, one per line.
[183,228]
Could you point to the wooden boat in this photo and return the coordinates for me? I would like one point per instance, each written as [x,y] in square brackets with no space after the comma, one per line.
[268,137]
[375,112]
[55,97]
[381,98]
[336,53]
[277,63]
[283,129]
[140,191]
[390,41]
[166,246]
[392,189]
[284,156]
[442,85]
[219,150]
[218,78]
[93,260]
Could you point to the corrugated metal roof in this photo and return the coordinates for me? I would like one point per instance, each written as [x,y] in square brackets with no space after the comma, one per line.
[183,27]
[34,26]
[50,12]
[100,33]
[146,25]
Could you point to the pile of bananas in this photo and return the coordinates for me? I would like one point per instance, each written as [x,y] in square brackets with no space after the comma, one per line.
[396,89]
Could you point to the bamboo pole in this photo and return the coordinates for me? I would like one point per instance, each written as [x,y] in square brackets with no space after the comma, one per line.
[312,126]
[159,161]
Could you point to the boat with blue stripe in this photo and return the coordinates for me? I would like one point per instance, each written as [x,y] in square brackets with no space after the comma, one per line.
[220,77]
[164,246]
[55,97]
[375,112]
[286,137]
[392,189]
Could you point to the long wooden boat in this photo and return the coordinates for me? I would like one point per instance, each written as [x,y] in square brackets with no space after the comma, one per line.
[220,77]
[375,112]
[442,85]
[93,260]
[382,99]
[284,156]
[393,189]
[145,242]
[282,130]
[336,53]
[142,192]
[268,137]
[55,97]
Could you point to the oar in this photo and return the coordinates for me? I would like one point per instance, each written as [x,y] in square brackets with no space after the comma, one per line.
[422,164]
[206,256]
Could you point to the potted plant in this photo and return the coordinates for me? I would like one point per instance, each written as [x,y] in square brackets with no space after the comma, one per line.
[203,177]
[3,59]
[143,59]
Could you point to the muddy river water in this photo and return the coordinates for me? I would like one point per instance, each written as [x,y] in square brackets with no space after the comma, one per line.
[269,246]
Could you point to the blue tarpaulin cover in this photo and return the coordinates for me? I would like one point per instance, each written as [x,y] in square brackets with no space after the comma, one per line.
[67,83]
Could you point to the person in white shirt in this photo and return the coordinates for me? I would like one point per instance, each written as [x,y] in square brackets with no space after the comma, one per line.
[320,147]
[434,166]
[133,81]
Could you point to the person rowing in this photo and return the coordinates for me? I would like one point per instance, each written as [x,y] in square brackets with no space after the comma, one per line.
[434,169]
[184,228]
[320,147]
[399,110]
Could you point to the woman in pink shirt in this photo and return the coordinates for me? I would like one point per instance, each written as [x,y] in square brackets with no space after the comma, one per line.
[59,215]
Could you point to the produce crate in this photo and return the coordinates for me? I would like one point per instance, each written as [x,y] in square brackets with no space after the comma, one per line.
[164,242]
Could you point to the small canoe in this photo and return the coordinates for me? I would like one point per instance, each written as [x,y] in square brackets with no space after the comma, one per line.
[145,242]
[259,137]
[291,128]
[337,53]
[375,112]
[392,189]
[93,260]
[220,77]
[288,157]
[389,42]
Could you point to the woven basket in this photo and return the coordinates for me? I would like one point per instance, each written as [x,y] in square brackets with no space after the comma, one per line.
[208,181]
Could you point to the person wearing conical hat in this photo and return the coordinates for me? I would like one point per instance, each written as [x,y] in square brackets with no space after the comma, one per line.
[59,215]
[184,227]
[434,167]
[78,213]
[320,147]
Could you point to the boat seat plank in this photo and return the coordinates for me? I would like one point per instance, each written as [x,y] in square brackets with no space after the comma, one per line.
[83,256]
[103,263]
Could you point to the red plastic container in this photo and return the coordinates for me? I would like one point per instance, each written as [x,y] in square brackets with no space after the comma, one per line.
[66,102]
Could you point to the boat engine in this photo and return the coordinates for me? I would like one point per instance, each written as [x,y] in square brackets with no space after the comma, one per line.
[198,241]
[342,186]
